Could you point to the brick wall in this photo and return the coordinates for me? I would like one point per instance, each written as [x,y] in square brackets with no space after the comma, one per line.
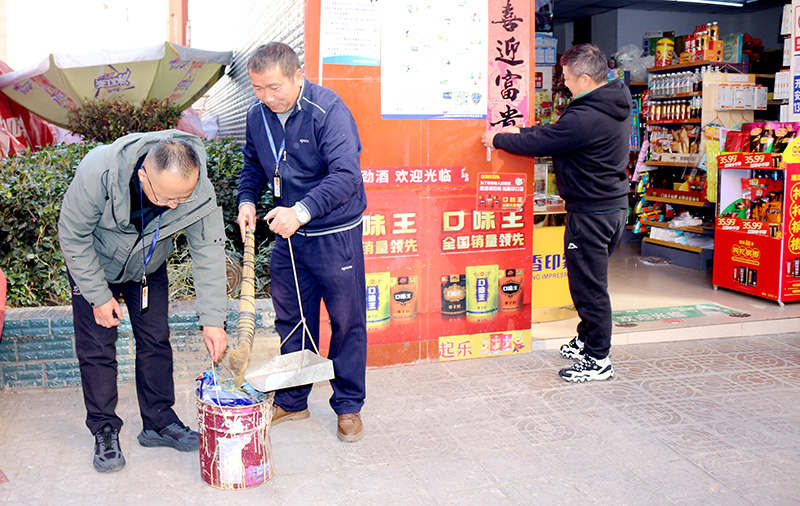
[37,348]
[228,99]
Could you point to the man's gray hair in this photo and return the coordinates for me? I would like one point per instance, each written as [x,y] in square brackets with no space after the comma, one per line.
[586,59]
[275,54]
[176,156]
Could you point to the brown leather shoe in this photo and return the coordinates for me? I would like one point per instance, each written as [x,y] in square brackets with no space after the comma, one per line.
[350,427]
[280,415]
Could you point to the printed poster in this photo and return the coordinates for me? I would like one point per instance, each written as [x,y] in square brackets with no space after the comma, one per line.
[350,32]
[433,62]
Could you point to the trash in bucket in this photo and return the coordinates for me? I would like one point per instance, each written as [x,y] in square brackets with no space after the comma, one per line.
[235,449]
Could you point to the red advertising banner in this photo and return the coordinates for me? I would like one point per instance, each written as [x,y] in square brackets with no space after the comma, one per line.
[438,267]
[510,63]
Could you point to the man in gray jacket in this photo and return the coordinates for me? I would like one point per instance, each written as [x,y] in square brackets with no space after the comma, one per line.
[126,201]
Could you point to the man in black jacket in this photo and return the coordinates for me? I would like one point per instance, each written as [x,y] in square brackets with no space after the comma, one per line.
[590,147]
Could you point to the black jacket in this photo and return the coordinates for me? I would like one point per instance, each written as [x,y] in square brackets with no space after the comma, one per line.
[590,146]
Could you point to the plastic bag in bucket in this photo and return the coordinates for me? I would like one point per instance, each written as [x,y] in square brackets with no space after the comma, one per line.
[235,449]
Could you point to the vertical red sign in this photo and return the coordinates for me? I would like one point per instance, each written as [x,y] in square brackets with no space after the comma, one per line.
[509,63]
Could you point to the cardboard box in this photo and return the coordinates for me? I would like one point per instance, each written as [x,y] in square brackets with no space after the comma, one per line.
[713,54]
[732,52]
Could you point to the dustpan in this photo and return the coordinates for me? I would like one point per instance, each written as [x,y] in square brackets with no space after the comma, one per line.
[291,369]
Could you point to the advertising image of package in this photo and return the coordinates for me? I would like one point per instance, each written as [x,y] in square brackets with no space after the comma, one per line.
[482,289]
[378,297]
[403,303]
[454,294]
[511,292]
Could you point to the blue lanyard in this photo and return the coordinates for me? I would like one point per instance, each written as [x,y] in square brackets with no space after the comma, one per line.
[149,254]
[276,154]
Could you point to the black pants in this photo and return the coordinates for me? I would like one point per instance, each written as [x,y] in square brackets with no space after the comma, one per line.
[97,355]
[589,240]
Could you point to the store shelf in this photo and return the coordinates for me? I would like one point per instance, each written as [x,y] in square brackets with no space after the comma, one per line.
[638,83]
[707,230]
[676,95]
[778,102]
[680,202]
[684,247]
[658,70]
[654,163]
[675,121]
[679,254]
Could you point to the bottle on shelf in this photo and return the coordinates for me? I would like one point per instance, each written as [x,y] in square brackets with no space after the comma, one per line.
[714,31]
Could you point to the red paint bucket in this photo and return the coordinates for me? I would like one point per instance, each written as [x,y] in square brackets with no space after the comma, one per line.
[235,450]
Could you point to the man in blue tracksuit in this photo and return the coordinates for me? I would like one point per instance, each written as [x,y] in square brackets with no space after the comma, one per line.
[590,147]
[302,141]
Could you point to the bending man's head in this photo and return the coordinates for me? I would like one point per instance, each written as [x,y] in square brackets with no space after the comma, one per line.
[170,173]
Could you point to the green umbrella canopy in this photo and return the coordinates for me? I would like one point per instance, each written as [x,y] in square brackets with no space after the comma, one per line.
[63,81]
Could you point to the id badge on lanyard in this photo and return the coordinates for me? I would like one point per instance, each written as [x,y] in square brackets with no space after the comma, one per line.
[145,295]
[278,154]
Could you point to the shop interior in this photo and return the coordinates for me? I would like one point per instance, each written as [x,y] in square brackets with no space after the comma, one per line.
[688,110]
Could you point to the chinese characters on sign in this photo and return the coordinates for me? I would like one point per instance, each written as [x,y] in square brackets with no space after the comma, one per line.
[509,63]
[465,230]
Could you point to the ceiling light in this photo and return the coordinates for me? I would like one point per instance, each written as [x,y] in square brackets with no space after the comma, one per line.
[728,3]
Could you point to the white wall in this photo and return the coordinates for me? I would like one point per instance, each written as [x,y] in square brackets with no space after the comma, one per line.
[618,28]
[764,24]
[604,31]
[565,34]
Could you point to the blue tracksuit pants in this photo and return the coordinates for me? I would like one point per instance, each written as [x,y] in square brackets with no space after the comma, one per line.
[329,268]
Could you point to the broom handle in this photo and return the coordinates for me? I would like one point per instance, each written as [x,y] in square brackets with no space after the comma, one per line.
[246,325]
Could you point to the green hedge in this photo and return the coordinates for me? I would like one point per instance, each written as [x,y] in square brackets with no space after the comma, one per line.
[32,186]
[107,120]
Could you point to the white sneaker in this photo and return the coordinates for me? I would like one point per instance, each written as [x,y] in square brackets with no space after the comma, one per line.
[573,349]
[588,369]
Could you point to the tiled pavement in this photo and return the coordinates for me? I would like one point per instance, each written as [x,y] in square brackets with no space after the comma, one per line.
[714,421]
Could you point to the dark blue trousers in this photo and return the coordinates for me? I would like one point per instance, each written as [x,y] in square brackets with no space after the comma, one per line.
[329,268]
[97,355]
[589,240]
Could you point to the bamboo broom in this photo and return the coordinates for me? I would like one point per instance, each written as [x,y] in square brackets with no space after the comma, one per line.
[239,358]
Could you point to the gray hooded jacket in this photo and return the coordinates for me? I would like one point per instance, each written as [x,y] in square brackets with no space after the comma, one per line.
[100,245]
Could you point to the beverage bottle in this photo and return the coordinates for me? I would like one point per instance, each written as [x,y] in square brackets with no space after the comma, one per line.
[714,31]
[698,81]
[708,36]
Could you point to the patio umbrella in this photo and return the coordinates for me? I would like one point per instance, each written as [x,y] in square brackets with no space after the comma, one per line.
[63,81]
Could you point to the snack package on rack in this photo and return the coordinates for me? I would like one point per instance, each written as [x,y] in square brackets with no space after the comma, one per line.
[736,142]
[766,202]
[211,390]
